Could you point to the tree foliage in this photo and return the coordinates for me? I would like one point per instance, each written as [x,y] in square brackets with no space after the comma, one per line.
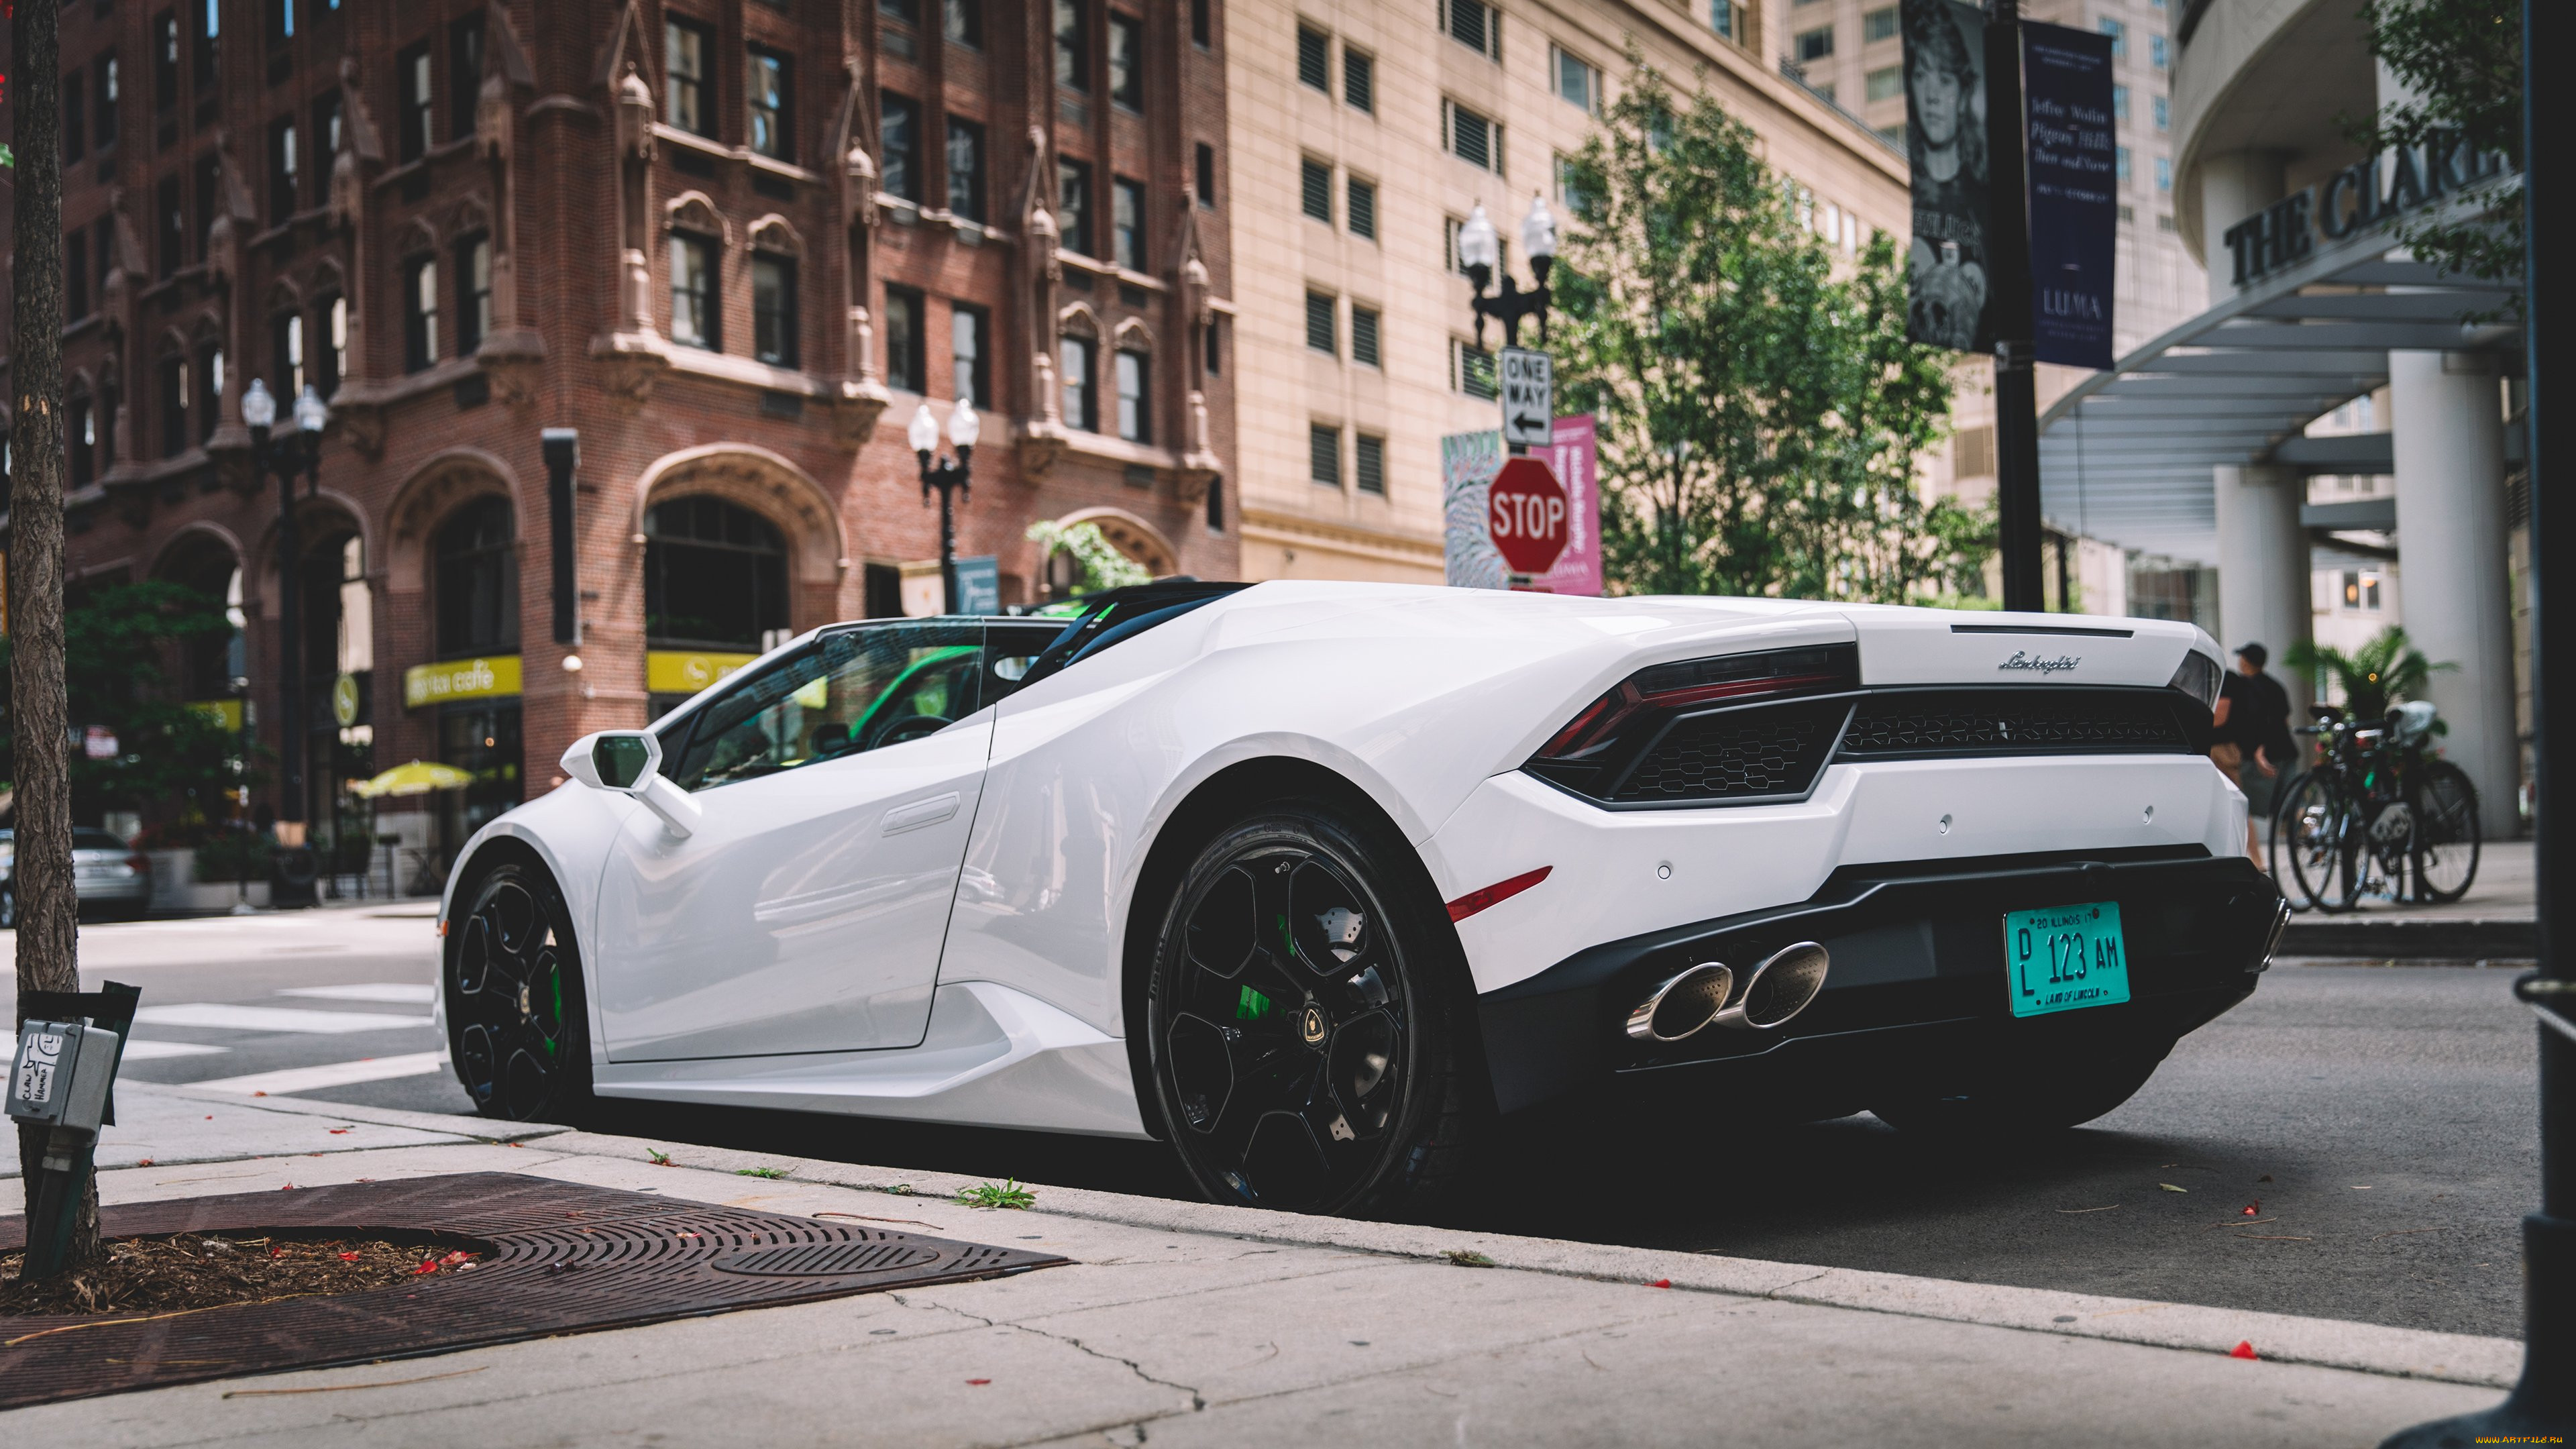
[2461,60]
[1760,408]
[2386,670]
[118,645]
[1098,564]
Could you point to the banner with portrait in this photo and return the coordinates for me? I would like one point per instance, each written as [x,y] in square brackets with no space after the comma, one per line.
[1949,275]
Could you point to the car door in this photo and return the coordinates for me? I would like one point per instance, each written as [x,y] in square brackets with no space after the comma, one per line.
[806,909]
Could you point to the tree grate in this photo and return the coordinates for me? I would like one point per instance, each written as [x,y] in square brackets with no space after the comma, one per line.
[564,1258]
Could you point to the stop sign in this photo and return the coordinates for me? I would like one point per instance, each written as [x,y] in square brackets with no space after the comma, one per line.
[1525,508]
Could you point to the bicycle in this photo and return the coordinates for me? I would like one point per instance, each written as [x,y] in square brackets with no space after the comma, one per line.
[2376,816]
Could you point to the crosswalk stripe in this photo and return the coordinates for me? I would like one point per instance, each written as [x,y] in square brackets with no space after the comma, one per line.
[392,993]
[149,1051]
[272,1018]
[336,1074]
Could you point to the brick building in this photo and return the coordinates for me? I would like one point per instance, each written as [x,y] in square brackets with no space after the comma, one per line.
[735,243]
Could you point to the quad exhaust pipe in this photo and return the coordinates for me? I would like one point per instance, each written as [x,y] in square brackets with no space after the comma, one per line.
[1778,989]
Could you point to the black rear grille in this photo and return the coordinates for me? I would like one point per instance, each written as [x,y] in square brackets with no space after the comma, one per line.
[1757,752]
[1916,723]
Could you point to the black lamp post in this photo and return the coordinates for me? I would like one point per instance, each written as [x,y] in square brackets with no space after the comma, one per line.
[299,452]
[1480,256]
[949,477]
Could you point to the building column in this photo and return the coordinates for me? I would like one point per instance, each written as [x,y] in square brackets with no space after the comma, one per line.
[2446,417]
[2263,563]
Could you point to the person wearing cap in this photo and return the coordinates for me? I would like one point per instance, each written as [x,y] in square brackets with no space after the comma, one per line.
[2252,724]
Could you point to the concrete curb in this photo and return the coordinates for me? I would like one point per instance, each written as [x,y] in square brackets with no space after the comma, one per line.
[482,1129]
[2286,1338]
[2413,937]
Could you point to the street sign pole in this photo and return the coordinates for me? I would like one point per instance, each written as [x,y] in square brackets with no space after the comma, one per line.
[2016,386]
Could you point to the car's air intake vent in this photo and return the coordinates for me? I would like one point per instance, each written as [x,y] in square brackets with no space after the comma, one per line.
[1757,752]
[1917,723]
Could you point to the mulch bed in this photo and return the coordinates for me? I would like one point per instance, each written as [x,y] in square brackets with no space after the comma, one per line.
[546,1258]
[209,1270]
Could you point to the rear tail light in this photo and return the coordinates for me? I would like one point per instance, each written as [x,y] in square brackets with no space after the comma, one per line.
[1601,744]
[139,863]
[2197,676]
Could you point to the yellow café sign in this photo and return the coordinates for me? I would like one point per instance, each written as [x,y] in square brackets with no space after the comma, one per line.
[455,680]
[670,671]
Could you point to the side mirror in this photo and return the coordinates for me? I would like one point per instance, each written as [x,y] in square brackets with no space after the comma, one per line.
[629,762]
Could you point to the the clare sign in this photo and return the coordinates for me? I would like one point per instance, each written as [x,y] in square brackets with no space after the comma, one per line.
[495,677]
[2363,194]
[1525,508]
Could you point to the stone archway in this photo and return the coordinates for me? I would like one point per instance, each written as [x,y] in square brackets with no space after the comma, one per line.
[771,486]
[434,490]
[1132,536]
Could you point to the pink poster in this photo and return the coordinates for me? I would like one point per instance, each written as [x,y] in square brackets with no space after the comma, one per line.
[1574,458]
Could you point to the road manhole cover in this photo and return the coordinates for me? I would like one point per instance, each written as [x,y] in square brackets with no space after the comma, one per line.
[566,1258]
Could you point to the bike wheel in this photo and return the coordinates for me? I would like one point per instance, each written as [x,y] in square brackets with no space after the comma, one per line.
[2446,833]
[2307,828]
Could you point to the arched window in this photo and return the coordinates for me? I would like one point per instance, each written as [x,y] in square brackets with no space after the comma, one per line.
[477,581]
[715,575]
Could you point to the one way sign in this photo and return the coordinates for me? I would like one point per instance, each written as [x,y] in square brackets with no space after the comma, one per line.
[1529,397]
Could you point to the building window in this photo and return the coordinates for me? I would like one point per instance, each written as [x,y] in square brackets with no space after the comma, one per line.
[171,229]
[1816,44]
[102,244]
[2119,34]
[281,20]
[684,65]
[210,194]
[286,352]
[1073,206]
[284,166]
[1878,25]
[1135,398]
[1471,137]
[1886,83]
[1314,59]
[1324,454]
[420,313]
[1472,371]
[1072,45]
[903,336]
[1502,251]
[1359,79]
[2120,160]
[773,310]
[965,169]
[174,406]
[970,376]
[75,276]
[1578,82]
[1315,189]
[208,404]
[326,140]
[899,136]
[903,10]
[1369,463]
[165,62]
[714,574]
[1475,25]
[2164,173]
[1204,175]
[1321,334]
[2156,51]
[473,293]
[2119,103]
[412,112]
[773,110]
[477,581]
[464,74]
[1127,223]
[1212,340]
[80,435]
[1723,19]
[2164,114]
[1127,61]
[335,354]
[963,22]
[1081,406]
[104,86]
[210,35]
[1364,340]
[75,118]
[695,321]
[1361,213]
[1202,23]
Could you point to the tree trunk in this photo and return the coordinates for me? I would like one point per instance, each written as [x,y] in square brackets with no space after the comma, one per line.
[48,911]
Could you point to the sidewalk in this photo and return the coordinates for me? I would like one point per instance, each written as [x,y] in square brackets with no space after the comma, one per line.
[2496,920]
[1195,1324]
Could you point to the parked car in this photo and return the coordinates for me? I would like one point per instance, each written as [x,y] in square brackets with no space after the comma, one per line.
[111,877]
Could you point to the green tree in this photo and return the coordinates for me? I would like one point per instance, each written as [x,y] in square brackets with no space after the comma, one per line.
[2387,670]
[118,646]
[1760,408]
[2461,60]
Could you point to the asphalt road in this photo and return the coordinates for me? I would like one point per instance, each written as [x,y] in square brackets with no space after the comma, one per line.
[2380,1119]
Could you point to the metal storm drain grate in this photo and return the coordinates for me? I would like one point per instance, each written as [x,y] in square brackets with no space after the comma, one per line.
[564,1258]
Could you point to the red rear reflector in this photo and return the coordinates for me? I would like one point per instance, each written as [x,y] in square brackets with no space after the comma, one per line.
[1497,893]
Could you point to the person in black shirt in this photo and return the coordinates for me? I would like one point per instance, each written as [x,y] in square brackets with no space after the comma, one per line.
[2252,724]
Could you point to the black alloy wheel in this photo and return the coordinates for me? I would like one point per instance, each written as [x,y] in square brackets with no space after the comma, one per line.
[1304,1029]
[515,1021]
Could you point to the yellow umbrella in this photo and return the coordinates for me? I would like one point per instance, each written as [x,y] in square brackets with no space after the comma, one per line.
[417,778]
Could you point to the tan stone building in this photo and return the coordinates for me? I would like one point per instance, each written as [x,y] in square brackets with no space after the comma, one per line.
[1361,135]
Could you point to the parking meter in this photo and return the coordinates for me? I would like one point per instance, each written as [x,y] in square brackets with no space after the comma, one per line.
[61,1082]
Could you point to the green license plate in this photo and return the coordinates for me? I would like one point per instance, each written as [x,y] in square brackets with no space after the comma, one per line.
[2064,957]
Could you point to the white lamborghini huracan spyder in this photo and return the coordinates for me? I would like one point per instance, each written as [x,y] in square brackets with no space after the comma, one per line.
[1310,880]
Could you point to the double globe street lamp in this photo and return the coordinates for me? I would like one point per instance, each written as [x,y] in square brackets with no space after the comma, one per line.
[1480,255]
[948,475]
[299,452]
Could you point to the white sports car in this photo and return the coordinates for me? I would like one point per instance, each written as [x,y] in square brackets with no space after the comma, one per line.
[1311,880]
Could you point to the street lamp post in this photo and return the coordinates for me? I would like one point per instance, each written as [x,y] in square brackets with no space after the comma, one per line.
[948,475]
[300,452]
[1480,256]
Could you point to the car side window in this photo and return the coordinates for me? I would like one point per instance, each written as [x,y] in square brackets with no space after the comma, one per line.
[1009,649]
[867,687]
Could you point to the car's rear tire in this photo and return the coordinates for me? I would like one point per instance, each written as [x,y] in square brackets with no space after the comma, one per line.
[2025,1094]
[1310,1039]
[517,1029]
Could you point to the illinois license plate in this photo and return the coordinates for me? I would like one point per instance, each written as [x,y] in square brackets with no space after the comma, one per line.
[2065,957]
